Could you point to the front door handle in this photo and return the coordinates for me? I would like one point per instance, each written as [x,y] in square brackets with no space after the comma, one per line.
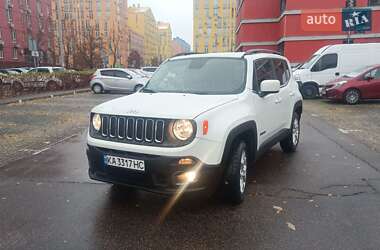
[292,94]
[337,74]
[278,101]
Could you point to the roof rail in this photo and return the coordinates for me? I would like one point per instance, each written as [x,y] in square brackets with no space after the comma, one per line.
[257,51]
[185,54]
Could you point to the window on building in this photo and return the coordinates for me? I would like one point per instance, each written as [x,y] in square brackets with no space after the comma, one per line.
[329,61]
[374,3]
[282,6]
[14,36]
[15,53]
[1,52]
[9,14]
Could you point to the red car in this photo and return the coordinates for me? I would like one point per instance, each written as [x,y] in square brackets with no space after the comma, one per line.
[356,86]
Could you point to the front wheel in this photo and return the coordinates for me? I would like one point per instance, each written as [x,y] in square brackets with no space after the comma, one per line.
[309,91]
[352,96]
[290,143]
[237,181]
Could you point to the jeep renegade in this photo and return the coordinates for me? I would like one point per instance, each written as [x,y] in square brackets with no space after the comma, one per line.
[197,124]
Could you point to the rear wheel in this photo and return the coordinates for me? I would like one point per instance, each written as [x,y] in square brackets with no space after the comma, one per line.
[290,143]
[310,91]
[237,180]
[352,96]
[97,88]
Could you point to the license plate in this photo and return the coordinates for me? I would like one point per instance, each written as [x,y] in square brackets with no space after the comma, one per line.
[120,162]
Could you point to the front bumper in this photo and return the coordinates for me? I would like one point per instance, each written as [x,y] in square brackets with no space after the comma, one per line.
[333,94]
[159,176]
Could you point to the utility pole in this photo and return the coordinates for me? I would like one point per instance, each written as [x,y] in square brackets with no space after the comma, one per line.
[60,33]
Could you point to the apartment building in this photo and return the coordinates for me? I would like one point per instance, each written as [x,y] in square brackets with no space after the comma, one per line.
[214,25]
[142,21]
[165,36]
[180,46]
[25,37]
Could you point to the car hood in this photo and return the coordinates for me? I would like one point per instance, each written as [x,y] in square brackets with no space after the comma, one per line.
[340,79]
[164,105]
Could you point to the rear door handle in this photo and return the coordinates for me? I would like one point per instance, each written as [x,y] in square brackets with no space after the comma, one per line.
[337,73]
[278,101]
[292,94]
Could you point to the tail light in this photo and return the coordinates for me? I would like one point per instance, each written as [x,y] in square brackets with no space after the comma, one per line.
[92,77]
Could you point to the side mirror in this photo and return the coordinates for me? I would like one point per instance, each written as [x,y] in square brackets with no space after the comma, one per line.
[269,87]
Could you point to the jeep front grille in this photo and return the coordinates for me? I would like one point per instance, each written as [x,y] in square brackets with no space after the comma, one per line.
[133,129]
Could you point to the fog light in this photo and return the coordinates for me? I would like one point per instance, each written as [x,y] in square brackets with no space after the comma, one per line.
[186,162]
[185,178]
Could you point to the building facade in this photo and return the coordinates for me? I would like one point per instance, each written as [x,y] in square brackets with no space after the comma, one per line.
[180,46]
[25,33]
[287,26]
[141,20]
[136,42]
[165,40]
[214,25]
[96,29]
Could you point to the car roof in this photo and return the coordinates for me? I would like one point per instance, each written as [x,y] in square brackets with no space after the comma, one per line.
[230,55]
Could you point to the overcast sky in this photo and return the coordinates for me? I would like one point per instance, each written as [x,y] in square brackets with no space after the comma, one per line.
[178,12]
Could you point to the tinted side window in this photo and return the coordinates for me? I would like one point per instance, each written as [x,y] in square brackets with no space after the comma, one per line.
[375,74]
[43,70]
[264,70]
[329,61]
[121,74]
[107,73]
[282,71]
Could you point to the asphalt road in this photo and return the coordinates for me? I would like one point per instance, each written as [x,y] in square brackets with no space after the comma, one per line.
[326,196]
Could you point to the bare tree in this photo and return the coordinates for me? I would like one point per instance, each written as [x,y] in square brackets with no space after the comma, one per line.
[114,47]
[88,50]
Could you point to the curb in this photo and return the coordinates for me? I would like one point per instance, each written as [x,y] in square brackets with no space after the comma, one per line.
[22,99]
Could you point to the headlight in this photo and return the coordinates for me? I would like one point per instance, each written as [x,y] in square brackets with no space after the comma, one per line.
[183,129]
[339,84]
[96,122]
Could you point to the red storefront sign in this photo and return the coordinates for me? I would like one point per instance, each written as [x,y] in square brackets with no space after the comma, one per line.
[322,20]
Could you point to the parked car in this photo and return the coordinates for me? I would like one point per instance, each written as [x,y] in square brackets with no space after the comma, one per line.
[141,73]
[46,70]
[149,70]
[356,86]
[114,79]
[8,72]
[197,124]
[332,62]
[20,70]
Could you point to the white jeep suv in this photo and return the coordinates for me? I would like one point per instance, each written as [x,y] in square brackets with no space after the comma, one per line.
[197,124]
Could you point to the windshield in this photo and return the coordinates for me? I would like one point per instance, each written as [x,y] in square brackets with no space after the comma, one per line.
[200,76]
[309,62]
[358,72]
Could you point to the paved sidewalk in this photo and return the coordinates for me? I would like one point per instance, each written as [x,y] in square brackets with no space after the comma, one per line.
[44,95]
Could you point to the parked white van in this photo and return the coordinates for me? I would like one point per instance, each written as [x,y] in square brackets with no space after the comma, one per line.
[334,61]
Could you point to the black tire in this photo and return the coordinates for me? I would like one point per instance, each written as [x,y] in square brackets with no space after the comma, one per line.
[97,88]
[290,143]
[237,177]
[352,96]
[52,86]
[138,87]
[310,91]
[17,88]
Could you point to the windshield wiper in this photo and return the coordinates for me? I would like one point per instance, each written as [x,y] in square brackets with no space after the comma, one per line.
[148,91]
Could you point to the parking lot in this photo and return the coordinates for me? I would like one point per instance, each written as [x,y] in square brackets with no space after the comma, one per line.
[326,196]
